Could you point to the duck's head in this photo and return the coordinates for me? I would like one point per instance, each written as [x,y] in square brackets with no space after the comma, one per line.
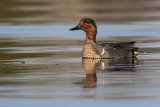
[89,26]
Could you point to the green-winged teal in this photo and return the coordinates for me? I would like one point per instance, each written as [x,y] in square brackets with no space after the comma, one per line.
[107,50]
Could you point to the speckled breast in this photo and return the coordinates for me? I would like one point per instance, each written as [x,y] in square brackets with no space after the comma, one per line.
[89,51]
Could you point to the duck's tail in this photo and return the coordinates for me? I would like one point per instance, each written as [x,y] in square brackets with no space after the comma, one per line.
[135,51]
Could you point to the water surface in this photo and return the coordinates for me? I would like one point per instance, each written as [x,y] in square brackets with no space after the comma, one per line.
[49,69]
[41,63]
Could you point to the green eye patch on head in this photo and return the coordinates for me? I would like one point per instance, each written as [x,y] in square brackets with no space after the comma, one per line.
[90,21]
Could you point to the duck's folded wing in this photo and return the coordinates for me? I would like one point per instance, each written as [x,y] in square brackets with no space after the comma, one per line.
[123,49]
[120,45]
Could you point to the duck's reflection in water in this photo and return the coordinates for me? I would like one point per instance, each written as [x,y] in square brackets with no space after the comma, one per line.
[91,66]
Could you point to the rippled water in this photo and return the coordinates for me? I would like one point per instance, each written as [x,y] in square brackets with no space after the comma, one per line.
[41,63]
[47,68]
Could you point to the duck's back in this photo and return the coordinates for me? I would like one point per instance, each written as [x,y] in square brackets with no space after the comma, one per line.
[109,50]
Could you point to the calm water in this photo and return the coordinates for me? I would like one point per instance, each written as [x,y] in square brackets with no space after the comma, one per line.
[40,59]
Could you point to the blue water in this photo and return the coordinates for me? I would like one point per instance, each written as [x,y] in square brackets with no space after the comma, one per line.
[41,60]
[41,65]
[132,29]
[68,103]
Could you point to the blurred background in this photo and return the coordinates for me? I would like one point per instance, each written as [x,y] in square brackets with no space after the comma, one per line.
[41,63]
[69,11]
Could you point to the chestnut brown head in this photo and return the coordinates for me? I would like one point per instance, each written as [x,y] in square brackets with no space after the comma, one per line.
[86,24]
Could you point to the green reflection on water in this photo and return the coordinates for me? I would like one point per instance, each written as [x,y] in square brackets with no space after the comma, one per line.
[13,11]
[62,11]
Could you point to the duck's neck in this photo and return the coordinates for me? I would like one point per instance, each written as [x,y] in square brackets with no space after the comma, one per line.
[91,36]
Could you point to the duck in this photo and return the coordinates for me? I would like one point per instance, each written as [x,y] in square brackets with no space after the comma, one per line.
[93,50]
